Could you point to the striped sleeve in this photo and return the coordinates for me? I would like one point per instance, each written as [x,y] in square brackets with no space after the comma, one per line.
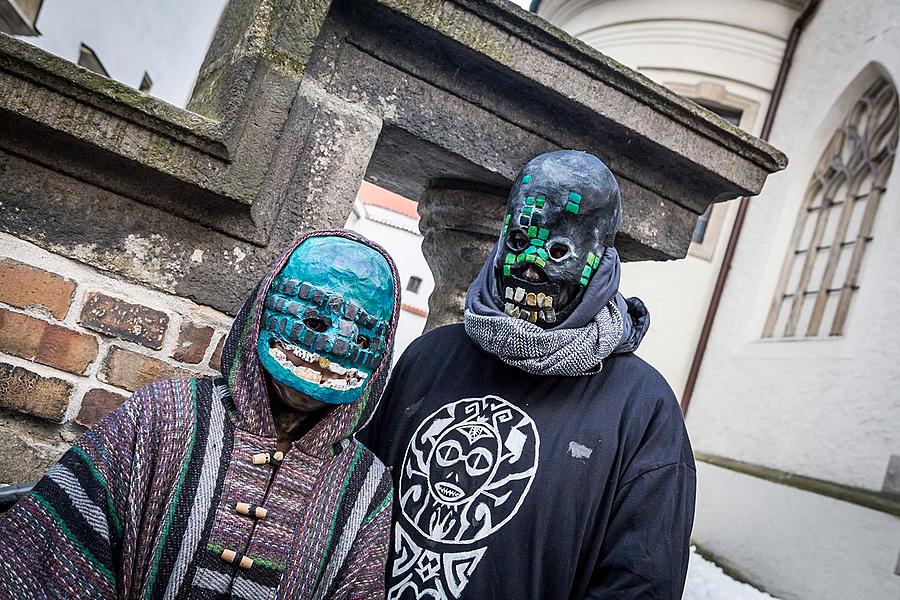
[366,564]
[64,539]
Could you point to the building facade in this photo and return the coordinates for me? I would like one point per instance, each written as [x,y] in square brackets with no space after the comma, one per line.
[795,411]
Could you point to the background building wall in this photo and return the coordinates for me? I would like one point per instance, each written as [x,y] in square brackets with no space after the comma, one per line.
[724,53]
[823,408]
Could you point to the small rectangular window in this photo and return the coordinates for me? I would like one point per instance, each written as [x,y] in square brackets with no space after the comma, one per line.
[413,284]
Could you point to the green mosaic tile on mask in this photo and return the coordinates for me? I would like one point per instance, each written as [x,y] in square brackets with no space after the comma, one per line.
[544,234]
[590,258]
[539,261]
[587,271]
[573,197]
[543,254]
[530,250]
[527,211]
[572,208]
[532,231]
[526,179]
[539,202]
[537,242]
[510,258]
[529,200]
[506,270]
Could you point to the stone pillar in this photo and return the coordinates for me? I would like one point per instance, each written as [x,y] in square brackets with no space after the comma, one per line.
[460,227]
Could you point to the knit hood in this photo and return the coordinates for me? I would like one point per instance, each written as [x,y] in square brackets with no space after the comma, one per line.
[246,377]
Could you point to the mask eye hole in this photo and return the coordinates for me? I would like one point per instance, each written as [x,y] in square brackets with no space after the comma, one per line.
[362,341]
[316,324]
[558,250]
[517,241]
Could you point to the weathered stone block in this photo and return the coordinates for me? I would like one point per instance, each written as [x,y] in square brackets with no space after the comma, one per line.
[26,452]
[26,286]
[27,392]
[193,340]
[96,404]
[132,322]
[52,345]
[216,360]
[130,370]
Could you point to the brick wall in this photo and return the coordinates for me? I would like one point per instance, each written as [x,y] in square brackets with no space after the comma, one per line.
[74,343]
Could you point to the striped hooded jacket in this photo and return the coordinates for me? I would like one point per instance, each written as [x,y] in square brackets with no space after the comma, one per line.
[144,506]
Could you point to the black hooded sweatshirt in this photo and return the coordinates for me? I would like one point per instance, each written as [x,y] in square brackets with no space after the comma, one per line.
[518,486]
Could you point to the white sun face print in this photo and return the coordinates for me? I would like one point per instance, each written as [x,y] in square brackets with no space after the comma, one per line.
[466,472]
[467,469]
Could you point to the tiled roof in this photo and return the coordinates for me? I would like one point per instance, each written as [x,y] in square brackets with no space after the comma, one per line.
[376,196]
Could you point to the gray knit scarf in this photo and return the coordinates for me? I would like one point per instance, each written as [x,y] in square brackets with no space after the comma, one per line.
[603,323]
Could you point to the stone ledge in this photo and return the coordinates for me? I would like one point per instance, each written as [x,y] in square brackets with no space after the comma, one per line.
[108,95]
[866,498]
[536,31]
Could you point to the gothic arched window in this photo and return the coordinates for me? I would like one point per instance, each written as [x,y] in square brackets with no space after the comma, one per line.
[821,274]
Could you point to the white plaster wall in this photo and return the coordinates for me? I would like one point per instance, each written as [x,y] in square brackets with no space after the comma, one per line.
[816,548]
[826,408]
[398,234]
[166,38]
[732,46]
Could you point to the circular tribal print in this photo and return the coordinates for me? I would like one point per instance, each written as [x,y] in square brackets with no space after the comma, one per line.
[468,468]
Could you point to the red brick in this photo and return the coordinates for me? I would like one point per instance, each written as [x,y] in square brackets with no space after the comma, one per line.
[215,362]
[192,342]
[46,343]
[96,404]
[25,286]
[131,370]
[27,392]
[132,322]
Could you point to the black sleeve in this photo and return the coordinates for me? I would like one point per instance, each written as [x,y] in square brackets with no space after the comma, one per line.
[645,549]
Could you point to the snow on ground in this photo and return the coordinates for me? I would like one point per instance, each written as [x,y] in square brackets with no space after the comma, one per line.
[706,581]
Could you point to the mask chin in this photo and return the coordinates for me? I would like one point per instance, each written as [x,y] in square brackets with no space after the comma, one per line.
[529,294]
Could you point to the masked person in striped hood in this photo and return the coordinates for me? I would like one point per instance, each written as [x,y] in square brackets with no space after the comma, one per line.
[248,486]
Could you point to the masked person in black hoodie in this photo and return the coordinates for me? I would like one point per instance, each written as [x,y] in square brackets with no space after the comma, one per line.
[533,455]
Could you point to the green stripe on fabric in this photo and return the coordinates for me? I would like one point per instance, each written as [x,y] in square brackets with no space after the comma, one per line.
[176,497]
[116,521]
[239,347]
[371,516]
[71,535]
[356,456]
[217,550]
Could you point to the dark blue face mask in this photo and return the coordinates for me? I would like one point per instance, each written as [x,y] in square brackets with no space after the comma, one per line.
[326,319]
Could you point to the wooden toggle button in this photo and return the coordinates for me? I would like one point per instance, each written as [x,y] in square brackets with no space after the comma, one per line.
[230,556]
[264,458]
[251,510]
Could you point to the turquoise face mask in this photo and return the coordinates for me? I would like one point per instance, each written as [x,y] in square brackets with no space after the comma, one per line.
[326,319]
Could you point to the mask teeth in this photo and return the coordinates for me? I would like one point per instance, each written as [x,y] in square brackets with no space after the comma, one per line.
[531,299]
[310,357]
[549,315]
[520,293]
[354,379]
[508,293]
